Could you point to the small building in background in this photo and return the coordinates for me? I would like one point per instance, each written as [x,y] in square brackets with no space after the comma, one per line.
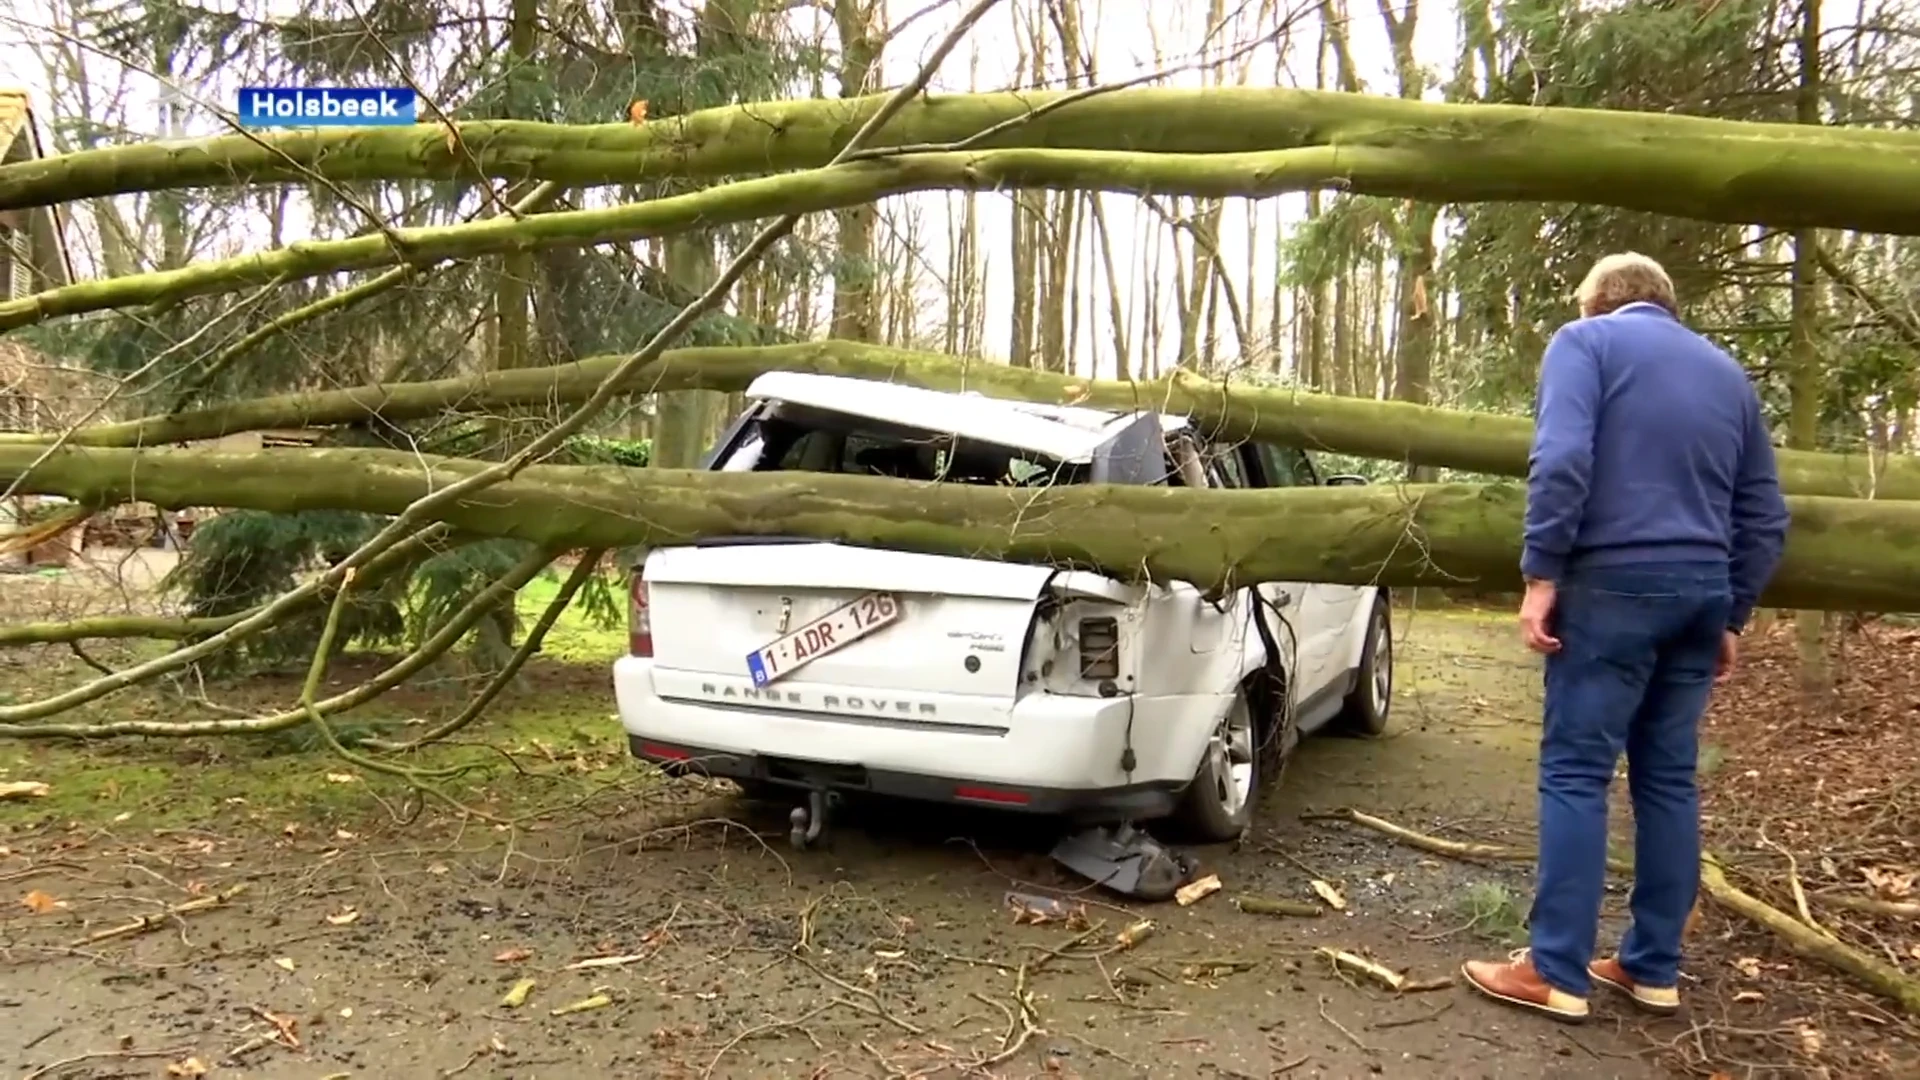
[33,243]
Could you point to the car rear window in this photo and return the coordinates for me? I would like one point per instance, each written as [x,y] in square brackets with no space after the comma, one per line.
[796,438]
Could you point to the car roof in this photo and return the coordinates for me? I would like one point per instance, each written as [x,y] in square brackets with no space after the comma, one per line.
[1062,432]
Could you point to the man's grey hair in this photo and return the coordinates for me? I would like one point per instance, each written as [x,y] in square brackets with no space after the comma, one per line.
[1626,278]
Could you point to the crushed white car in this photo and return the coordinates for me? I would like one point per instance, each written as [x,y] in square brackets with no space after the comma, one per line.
[822,668]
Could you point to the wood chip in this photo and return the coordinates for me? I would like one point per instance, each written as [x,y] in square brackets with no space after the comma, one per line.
[1195,891]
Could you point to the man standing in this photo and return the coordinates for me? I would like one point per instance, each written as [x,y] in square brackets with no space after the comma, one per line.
[1654,520]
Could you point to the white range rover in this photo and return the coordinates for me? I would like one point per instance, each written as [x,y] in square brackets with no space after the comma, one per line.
[823,668]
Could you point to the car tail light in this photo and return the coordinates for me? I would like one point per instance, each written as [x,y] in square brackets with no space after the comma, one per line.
[1099,648]
[639,620]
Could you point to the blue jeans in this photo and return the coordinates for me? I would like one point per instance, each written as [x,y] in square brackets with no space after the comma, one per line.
[1638,649]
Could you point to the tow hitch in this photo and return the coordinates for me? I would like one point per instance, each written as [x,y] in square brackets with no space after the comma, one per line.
[810,821]
[1126,860]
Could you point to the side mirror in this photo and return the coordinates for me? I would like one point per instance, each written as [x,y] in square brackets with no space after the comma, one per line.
[1345,480]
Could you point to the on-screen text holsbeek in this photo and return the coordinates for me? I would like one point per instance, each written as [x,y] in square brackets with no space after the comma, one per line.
[327,104]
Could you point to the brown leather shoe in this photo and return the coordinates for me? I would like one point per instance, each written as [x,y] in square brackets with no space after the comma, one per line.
[1664,1000]
[1517,983]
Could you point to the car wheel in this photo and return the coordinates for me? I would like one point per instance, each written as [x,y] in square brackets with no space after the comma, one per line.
[1218,805]
[1365,711]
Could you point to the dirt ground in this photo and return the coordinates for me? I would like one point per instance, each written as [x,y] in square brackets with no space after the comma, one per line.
[365,946]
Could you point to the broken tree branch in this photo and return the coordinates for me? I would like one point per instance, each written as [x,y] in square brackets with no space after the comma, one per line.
[1805,940]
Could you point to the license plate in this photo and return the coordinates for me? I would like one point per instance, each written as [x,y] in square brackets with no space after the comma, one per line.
[831,632]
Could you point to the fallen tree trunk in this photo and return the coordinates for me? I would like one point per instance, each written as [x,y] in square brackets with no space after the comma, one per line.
[1426,169]
[1843,554]
[1392,430]
[1715,170]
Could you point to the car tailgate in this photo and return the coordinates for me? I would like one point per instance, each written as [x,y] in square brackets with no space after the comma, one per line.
[952,656]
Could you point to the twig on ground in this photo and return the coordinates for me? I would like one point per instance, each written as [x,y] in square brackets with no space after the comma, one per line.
[158,919]
[1342,1028]
[103,1055]
[1794,887]
[1869,971]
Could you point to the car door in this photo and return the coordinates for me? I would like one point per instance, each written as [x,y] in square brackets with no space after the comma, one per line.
[1318,613]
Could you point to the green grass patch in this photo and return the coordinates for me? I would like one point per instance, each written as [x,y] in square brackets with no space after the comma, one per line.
[552,737]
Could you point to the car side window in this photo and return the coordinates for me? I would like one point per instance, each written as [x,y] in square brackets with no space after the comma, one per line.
[1286,466]
[1232,469]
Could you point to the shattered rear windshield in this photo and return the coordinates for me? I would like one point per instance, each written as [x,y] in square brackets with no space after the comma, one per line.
[795,438]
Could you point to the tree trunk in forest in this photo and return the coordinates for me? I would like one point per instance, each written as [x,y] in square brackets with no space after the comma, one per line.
[512,333]
[1806,373]
[855,315]
[1389,430]
[683,419]
[1851,554]
[1686,166]
[1413,338]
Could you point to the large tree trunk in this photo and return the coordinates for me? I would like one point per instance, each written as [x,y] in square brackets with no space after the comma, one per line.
[1814,181]
[1850,554]
[855,301]
[1714,170]
[1806,373]
[1392,430]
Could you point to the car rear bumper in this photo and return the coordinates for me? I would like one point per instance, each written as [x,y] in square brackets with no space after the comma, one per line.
[1059,755]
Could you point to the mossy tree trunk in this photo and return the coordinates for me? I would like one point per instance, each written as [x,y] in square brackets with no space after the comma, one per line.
[1849,554]
[1389,430]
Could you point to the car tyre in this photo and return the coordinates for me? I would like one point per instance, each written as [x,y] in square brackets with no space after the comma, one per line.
[1364,713]
[1218,806]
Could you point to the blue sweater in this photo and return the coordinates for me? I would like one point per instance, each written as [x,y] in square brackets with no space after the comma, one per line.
[1649,446]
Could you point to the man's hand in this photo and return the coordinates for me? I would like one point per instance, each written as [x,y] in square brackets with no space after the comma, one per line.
[1729,654]
[1536,613]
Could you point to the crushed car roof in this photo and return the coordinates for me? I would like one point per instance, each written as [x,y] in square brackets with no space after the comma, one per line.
[1062,432]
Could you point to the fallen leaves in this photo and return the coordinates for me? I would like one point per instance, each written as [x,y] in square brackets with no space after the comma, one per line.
[40,903]
[1890,883]
[512,956]
[343,917]
[24,789]
[284,963]
[192,1066]
[1326,891]
[517,996]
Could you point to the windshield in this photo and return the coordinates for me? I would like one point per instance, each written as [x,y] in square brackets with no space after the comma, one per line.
[795,438]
